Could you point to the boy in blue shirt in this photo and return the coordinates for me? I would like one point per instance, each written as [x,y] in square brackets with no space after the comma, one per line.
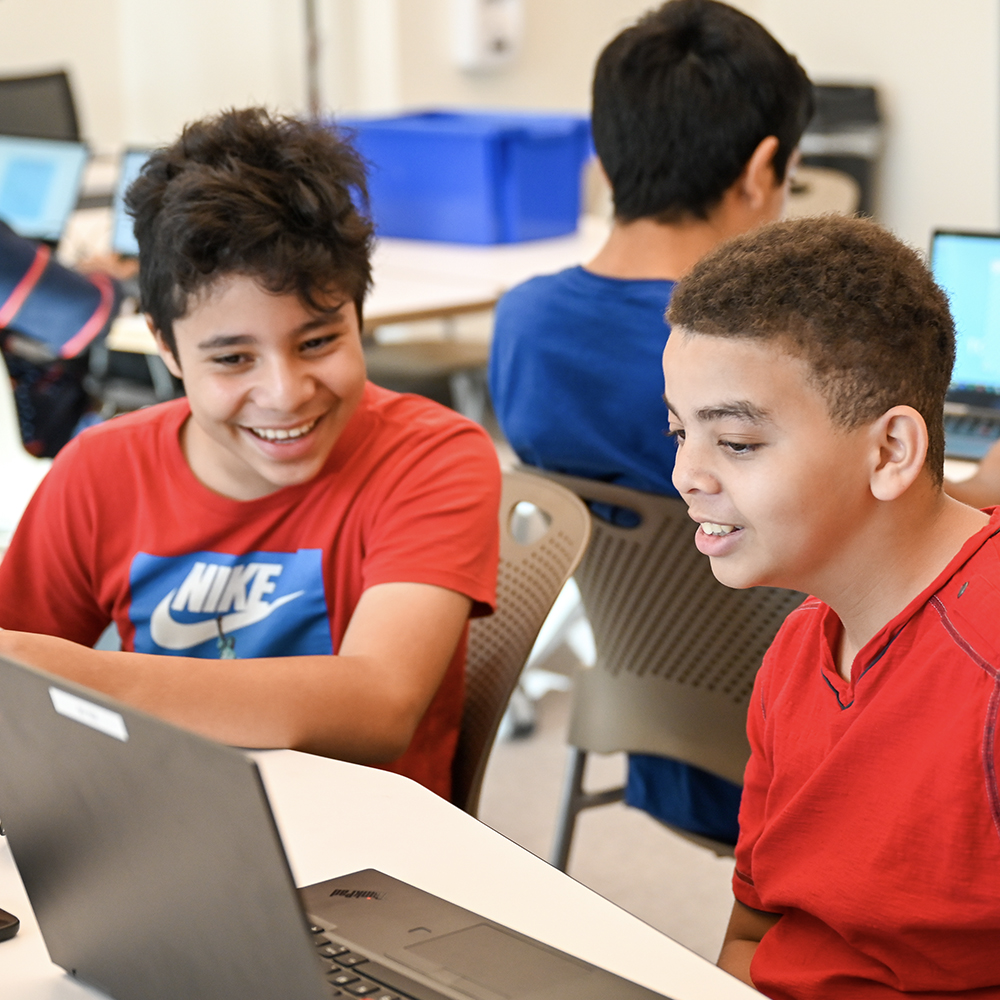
[697,112]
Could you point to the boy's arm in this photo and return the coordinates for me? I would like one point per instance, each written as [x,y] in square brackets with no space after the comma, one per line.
[982,488]
[362,705]
[746,928]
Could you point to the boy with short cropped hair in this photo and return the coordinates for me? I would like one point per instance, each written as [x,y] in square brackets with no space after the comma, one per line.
[697,114]
[290,553]
[805,381]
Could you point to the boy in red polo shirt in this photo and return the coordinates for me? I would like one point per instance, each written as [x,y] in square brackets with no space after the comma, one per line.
[805,380]
[291,554]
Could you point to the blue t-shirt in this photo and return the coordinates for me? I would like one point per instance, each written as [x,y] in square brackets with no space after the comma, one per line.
[576,377]
[576,380]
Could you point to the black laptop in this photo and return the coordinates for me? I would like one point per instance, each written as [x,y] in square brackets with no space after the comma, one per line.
[967,267]
[156,871]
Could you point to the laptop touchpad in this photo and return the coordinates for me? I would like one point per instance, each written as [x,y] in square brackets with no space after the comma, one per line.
[501,962]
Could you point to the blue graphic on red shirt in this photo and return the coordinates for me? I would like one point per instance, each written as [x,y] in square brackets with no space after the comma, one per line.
[214,604]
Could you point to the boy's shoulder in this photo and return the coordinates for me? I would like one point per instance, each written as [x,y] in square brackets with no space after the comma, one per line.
[577,288]
[968,600]
[394,436]
[139,434]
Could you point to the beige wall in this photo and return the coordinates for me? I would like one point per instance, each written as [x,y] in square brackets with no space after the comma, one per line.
[937,66]
[562,40]
[79,35]
[142,68]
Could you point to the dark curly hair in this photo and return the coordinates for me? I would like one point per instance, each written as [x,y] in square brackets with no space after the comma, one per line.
[250,193]
[844,294]
[682,99]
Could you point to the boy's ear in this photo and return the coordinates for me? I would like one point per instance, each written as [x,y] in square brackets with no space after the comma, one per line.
[900,435]
[168,356]
[758,180]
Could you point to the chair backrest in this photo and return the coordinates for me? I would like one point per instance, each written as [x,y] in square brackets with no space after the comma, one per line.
[544,530]
[38,107]
[677,652]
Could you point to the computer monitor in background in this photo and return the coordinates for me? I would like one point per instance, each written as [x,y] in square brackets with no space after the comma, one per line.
[122,234]
[39,184]
[967,267]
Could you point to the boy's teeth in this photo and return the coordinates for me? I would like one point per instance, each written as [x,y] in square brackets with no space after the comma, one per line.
[710,528]
[277,434]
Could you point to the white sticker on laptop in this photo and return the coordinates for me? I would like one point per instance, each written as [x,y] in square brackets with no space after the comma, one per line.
[96,716]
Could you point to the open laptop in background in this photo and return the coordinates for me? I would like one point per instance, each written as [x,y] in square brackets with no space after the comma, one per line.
[155,870]
[123,241]
[39,185]
[967,267]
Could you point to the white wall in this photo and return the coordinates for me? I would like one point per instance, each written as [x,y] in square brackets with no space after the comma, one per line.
[142,68]
[79,35]
[937,66]
[183,59]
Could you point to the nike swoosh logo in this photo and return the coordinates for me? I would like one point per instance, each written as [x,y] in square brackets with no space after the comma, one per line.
[170,634]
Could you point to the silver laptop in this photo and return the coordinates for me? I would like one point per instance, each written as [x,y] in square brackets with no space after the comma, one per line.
[39,184]
[156,871]
[967,267]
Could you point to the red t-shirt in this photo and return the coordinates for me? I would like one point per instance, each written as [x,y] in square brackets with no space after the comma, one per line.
[121,529]
[871,817]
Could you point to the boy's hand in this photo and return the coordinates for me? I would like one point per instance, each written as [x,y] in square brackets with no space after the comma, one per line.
[746,928]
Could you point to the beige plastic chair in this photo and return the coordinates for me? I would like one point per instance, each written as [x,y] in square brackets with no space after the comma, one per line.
[677,652]
[544,530]
[20,471]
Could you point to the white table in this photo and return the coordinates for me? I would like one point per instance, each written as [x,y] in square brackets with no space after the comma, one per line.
[415,836]
[419,279]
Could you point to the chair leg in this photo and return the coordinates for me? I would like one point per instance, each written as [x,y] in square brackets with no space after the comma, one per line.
[574,801]
[569,808]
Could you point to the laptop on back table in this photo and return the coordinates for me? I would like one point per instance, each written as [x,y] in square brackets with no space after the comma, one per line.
[967,266]
[156,871]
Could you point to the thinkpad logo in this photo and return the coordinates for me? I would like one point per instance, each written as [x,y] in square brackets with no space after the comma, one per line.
[358,894]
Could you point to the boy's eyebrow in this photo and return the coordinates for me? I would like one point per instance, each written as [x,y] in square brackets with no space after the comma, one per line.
[739,409]
[223,340]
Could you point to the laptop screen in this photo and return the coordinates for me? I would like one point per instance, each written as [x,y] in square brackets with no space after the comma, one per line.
[967,267]
[122,234]
[39,184]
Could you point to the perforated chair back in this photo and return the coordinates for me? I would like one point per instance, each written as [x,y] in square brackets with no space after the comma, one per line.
[544,530]
[677,652]
[38,107]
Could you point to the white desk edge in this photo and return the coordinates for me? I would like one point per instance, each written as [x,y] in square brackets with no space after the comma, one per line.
[412,834]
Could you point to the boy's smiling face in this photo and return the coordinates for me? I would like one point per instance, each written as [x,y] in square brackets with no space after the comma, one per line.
[271,384]
[776,487]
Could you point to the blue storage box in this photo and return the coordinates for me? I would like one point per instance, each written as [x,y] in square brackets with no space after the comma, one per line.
[473,178]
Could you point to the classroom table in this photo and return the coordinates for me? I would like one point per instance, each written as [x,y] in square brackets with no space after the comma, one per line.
[408,832]
[421,279]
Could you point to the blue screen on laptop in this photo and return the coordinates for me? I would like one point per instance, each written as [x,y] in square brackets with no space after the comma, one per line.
[39,184]
[967,267]
[122,234]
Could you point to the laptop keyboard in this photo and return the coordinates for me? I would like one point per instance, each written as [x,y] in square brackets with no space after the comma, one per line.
[351,974]
[970,435]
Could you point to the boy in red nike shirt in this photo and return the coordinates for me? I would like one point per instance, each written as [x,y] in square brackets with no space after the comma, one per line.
[805,380]
[290,553]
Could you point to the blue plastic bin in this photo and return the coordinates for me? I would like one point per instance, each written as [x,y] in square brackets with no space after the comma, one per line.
[473,178]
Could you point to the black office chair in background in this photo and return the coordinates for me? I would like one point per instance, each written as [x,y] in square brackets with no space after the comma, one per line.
[38,107]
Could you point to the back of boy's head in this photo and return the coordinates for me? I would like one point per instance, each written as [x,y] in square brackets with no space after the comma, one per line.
[683,98]
[248,193]
[860,307]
